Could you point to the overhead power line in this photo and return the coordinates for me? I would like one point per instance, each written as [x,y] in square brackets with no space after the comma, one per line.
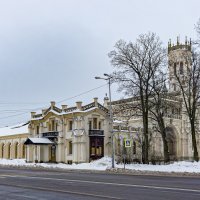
[39,108]
[81,93]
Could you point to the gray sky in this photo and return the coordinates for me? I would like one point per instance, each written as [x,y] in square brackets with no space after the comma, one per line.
[52,49]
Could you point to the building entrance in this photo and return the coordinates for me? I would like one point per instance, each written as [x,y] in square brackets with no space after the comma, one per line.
[96,147]
[52,153]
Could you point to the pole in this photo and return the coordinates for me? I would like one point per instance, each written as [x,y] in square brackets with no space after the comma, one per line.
[111,118]
[111,124]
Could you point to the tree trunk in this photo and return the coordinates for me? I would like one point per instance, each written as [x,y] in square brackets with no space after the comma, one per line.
[145,149]
[165,144]
[165,149]
[194,143]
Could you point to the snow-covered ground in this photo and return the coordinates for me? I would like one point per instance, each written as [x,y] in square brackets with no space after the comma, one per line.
[105,163]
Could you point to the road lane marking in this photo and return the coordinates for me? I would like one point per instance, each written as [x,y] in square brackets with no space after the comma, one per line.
[26,196]
[61,191]
[108,183]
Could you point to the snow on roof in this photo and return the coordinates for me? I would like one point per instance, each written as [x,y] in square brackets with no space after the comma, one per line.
[70,112]
[81,111]
[38,141]
[14,130]
[119,122]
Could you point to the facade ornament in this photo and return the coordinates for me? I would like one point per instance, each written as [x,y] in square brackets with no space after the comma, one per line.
[78,132]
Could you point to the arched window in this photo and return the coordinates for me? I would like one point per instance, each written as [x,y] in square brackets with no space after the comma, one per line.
[174,68]
[16,149]
[9,150]
[23,151]
[181,67]
[174,87]
[134,147]
[1,153]
[3,150]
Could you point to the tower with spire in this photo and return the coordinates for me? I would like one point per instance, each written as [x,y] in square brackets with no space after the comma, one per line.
[179,56]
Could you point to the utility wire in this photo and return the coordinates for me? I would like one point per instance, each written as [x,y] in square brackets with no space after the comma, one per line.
[23,113]
[81,93]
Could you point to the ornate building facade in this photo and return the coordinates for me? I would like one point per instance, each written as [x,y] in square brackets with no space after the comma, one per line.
[69,135]
[83,133]
[176,121]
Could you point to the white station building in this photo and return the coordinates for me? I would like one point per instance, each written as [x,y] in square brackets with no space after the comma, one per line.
[70,135]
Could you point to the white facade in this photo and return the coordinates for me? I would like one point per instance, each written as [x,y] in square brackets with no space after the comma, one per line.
[79,134]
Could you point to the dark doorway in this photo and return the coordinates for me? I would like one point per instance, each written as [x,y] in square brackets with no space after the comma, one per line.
[96,147]
[172,142]
[52,153]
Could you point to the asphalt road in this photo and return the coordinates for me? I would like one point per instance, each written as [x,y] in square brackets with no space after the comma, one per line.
[20,184]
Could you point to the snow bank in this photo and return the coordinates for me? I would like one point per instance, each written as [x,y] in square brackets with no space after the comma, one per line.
[101,164]
[105,163]
[179,167]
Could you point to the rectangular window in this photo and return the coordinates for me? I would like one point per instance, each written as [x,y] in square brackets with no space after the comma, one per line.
[49,126]
[53,125]
[181,68]
[90,125]
[174,87]
[56,127]
[70,147]
[134,147]
[174,68]
[94,123]
[70,125]
[37,129]
[99,125]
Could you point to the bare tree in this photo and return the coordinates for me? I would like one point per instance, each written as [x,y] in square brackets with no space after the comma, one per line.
[136,63]
[158,109]
[197,27]
[188,82]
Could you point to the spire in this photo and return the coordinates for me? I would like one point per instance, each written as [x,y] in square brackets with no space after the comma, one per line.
[165,88]
[186,40]
[169,43]
[177,40]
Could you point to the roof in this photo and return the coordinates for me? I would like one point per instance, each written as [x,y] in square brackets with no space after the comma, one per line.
[14,130]
[39,141]
[58,111]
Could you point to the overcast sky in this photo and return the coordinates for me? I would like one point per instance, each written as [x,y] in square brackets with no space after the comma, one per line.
[53,49]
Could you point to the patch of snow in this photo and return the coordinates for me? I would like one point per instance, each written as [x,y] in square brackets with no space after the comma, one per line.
[63,112]
[179,167]
[40,140]
[100,165]
[105,163]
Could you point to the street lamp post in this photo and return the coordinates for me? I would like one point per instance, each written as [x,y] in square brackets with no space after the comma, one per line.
[108,78]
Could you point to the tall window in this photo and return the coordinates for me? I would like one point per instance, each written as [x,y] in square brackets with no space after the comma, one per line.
[53,125]
[9,151]
[174,68]
[49,125]
[94,123]
[23,151]
[37,129]
[16,150]
[174,87]
[70,147]
[99,125]
[3,150]
[181,67]
[134,147]
[70,125]
[90,125]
